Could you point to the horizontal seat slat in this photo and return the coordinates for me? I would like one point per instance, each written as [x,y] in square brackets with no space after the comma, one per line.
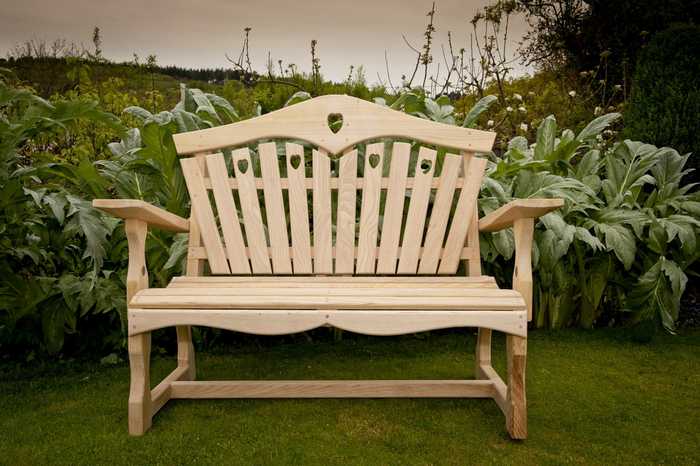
[333,281]
[324,295]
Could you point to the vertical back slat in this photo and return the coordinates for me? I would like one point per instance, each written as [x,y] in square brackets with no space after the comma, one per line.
[195,266]
[204,216]
[474,256]
[250,207]
[228,214]
[323,247]
[345,219]
[369,215]
[435,235]
[274,208]
[298,211]
[393,208]
[417,210]
[464,214]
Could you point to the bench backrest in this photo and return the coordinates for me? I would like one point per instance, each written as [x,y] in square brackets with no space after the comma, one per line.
[281,205]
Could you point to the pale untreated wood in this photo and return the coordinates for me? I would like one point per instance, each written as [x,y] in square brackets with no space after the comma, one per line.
[201,208]
[417,208]
[140,410]
[369,216]
[308,121]
[228,214]
[393,209]
[345,223]
[334,389]
[250,207]
[298,210]
[473,172]
[516,401]
[140,210]
[415,259]
[323,252]
[274,209]
[369,322]
[439,216]
[505,215]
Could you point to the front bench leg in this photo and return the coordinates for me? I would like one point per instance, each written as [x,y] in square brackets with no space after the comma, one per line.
[516,401]
[140,407]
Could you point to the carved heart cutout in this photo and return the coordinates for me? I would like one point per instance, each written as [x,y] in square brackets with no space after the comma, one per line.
[295,161]
[242,165]
[335,122]
[426,165]
[374,160]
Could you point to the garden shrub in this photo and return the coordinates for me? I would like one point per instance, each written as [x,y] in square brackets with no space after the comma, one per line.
[665,101]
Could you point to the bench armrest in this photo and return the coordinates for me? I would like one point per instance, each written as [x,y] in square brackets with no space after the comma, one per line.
[518,209]
[138,215]
[521,214]
[141,210]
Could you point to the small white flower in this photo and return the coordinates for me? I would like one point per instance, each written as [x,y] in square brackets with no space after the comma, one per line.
[572,93]
[523,126]
[489,123]
[618,87]
[599,137]
[518,97]
[584,73]
[509,109]
[597,111]
[531,93]
[522,109]
[608,132]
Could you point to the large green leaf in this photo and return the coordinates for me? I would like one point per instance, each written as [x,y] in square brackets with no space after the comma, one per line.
[480,107]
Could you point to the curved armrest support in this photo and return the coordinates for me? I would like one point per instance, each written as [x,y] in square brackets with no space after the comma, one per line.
[138,215]
[506,215]
[521,214]
[141,210]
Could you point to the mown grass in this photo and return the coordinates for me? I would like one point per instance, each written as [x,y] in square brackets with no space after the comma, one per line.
[594,398]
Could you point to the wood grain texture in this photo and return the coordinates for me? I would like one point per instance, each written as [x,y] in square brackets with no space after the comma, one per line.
[274,209]
[228,214]
[466,205]
[345,216]
[393,208]
[369,213]
[250,208]
[287,321]
[435,236]
[141,210]
[298,211]
[417,211]
[140,410]
[516,401]
[334,389]
[505,215]
[201,208]
[323,236]
[308,121]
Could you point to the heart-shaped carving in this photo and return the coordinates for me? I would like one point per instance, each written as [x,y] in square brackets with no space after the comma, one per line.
[426,165]
[295,161]
[242,165]
[374,160]
[335,122]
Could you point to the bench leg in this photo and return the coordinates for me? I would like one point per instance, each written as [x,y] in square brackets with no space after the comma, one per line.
[483,353]
[140,393]
[516,401]
[185,352]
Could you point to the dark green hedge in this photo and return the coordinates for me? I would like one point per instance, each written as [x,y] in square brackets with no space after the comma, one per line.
[665,104]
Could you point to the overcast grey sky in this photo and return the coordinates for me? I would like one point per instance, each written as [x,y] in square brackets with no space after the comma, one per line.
[198,34]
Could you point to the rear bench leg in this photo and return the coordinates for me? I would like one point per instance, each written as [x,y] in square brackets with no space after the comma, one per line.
[483,352]
[185,352]
[516,402]
[140,392]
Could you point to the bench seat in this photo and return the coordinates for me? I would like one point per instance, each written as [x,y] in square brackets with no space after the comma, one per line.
[372,306]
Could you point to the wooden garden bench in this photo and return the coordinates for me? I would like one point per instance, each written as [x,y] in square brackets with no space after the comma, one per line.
[376,253]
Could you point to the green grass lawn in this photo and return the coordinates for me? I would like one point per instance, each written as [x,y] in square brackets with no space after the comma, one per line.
[594,398]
